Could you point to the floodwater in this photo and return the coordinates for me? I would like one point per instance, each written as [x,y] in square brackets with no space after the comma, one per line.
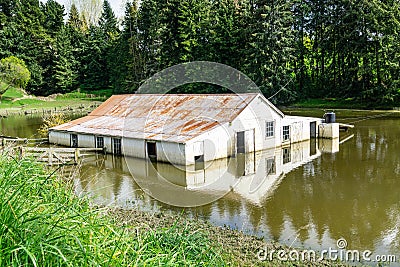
[307,195]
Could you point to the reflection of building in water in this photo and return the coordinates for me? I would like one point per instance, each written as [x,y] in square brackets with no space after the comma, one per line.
[253,176]
[272,165]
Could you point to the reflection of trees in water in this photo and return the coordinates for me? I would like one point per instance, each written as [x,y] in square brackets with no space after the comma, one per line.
[353,194]
[255,216]
[102,177]
[20,126]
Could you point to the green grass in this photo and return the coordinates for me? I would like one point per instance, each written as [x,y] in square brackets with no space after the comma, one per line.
[335,103]
[331,103]
[13,93]
[84,96]
[103,92]
[44,224]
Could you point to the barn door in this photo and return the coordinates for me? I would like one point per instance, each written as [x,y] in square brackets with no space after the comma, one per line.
[250,152]
[245,152]
[240,143]
[151,150]
[313,129]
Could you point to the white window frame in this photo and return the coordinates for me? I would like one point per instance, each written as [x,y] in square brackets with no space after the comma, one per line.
[269,130]
[286,133]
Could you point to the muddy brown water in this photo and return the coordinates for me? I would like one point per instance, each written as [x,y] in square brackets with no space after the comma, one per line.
[308,195]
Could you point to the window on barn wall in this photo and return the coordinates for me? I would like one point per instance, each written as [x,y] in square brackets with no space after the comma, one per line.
[270,166]
[269,129]
[117,148]
[99,142]
[199,162]
[286,133]
[286,155]
[74,140]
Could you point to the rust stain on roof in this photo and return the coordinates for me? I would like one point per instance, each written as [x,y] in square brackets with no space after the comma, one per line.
[172,118]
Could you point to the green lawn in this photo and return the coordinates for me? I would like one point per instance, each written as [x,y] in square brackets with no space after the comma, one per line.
[15,101]
[12,93]
[335,103]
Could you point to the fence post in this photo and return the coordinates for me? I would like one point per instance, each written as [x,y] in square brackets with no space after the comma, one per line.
[76,155]
[50,156]
[20,152]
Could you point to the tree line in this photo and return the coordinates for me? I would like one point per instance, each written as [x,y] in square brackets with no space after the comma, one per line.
[299,48]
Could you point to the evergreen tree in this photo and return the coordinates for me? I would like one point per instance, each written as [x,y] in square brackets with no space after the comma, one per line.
[228,35]
[125,58]
[100,40]
[66,68]
[149,27]
[76,31]
[54,16]
[272,48]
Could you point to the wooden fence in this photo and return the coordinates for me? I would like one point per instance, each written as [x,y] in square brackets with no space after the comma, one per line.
[57,156]
[12,141]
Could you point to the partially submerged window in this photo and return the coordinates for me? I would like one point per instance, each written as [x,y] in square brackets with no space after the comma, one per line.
[151,150]
[269,129]
[270,166]
[286,133]
[99,142]
[74,140]
[198,162]
[117,147]
[286,155]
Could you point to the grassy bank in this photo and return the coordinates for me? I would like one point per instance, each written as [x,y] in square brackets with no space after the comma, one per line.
[45,224]
[16,102]
[336,103]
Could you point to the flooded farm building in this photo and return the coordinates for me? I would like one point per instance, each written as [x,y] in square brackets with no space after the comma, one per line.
[185,129]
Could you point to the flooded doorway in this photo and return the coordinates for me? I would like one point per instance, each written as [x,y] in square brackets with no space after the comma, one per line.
[313,129]
[245,152]
[151,150]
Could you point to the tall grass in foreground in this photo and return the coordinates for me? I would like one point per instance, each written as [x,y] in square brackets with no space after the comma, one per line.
[43,224]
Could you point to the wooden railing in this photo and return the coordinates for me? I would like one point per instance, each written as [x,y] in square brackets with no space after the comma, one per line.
[57,156]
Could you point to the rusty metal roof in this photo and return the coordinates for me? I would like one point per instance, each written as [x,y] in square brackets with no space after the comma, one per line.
[172,118]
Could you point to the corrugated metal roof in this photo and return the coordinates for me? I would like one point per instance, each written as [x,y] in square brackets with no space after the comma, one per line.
[172,118]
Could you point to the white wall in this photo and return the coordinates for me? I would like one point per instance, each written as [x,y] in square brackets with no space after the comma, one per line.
[171,152]
[59,138]
[85,140]
[134,147]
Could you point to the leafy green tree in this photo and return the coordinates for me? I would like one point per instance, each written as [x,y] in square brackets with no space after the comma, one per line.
[13,72]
